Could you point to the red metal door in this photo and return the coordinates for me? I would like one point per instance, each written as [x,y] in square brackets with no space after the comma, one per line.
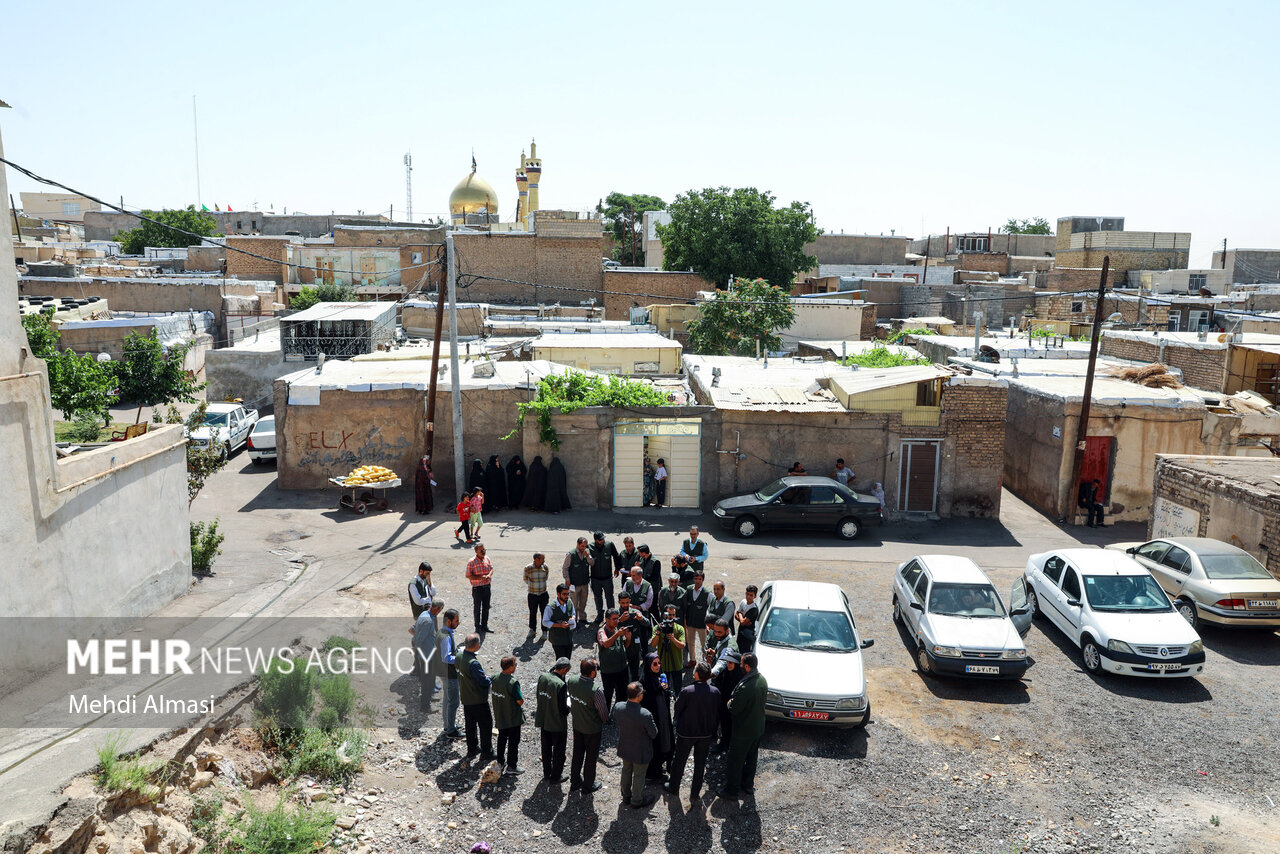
[1097,463]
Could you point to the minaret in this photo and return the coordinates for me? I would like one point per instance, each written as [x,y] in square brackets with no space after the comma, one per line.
[522,186]
[533,169]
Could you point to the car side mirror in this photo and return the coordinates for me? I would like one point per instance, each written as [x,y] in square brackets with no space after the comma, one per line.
[1074,603]
[918,607]
[867,643]
[1132,550]
[1017,612]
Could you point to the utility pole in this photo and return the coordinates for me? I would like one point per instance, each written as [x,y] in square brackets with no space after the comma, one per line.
[435,375]
[1224,253]
[408,187]
[928,244]
[17,226]
[1082,427]
[195,127]
[459,455]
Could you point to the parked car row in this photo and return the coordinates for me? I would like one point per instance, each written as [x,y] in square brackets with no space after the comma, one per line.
[1131,609]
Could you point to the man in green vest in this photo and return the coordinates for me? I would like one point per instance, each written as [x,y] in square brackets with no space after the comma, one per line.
[577,574]
[673,595]
[552,717]
[612,641]
[587,706]
[559,620]
[508,716]
[634,622]
[473,686]
[603,553]
[747,708]
[640,591]
[668,641]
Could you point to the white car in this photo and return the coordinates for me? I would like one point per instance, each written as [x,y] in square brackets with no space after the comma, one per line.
[1112,608]
[960,626]
[226,427]
[811,655]
[262,440]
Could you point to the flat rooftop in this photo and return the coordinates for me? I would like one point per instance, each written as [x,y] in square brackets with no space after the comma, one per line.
[1107,391]
[610,340]
[370,376]
[335,311]
[1258,474]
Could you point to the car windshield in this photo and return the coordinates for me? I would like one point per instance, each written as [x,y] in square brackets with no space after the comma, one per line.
[827,631]
[1233,567]
[266,425]
[770,489]
[965,600]
[1125,593]
[216,419]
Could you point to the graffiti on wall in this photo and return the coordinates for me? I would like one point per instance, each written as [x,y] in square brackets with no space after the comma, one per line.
[336,451]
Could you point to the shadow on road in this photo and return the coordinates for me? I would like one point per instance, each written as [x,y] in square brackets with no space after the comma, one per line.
[1244,646]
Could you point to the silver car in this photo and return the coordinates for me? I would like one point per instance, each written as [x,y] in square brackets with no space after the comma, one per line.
[1211,580]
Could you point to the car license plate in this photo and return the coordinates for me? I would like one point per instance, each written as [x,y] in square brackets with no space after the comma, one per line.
[805,714]
[1165,666]
[981,668]
[1263,603]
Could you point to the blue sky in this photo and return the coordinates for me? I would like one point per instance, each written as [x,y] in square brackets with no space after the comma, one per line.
[905,116]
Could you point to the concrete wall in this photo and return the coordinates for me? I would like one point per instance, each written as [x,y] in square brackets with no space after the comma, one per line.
[1250,266]
[105,225]
[71,527]
[1236,504]
[1179,281]
[940,245]
[249,374]
[50,206]
[205,259]
[1038,464]
[627,287]
[143,294]
[828,320]
[613,359]
[858,249]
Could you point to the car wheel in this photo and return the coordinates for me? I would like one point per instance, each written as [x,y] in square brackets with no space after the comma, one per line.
[1033,605]
[746,527]
[1091,655]
[897,611]
[224,452]
[922,659]
[849,528]
[257,461]
[1187,609]
[866,719]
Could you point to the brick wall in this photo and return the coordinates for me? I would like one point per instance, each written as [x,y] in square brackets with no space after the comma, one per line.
[385,236]
[1202,367]
[1060,307]
[573,263]
[623,288]
[1072,278]
[974,417]
[989,262]
[868,327]
[142,294]
[248,267]
[1124,260]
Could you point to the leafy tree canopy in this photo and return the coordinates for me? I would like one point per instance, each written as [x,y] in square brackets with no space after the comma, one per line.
[623,213]
[78,385]
[1034,225]
[309,296]
[732,322]
[135,240]
[150,375]
[723,232]
[573,390]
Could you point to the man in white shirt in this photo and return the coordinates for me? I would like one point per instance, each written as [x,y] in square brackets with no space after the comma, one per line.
[660,479]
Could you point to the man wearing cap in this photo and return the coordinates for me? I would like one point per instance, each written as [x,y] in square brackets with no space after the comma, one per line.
[559,620]
[603,553]
[697,598]
[473,686]
[552,718]
[576,569]
[635,623]
[640,591]
[421,591]
[589,712]
[694,548]
[650,566]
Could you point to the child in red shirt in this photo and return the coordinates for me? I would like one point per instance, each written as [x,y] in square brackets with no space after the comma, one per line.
[464,517]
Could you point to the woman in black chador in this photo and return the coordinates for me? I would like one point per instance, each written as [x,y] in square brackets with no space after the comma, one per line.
[557,488]
[475,480]
[515,482]
[535,490]
[495,486]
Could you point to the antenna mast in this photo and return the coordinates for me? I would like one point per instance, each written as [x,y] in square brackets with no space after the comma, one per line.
[408,186]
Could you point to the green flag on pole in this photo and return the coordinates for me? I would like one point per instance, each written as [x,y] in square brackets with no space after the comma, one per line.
[204,208]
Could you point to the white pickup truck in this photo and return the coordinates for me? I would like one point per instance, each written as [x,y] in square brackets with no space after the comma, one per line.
[226,426]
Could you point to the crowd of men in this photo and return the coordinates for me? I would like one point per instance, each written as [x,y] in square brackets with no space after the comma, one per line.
[670,665]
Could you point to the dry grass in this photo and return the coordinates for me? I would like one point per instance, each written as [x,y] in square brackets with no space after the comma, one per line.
[1151,376]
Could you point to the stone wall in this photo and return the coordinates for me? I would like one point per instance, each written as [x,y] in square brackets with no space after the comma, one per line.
[205,259]
[624,288]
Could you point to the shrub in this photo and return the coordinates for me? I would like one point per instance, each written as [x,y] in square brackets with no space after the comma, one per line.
[205,812]
[126,775]
[901,335]
[87,427]
[280,830]
[338,642]
[880,356]
[333,754]
[206,545]
[286,695]
[338,696]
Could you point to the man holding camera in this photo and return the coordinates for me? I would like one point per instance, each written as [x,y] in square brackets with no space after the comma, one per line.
[612,641]
[638,625]
[673,595]
[668,642]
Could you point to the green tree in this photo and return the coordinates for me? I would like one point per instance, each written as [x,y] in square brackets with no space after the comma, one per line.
[1034,225]
[149,374]
[723,232]
[79,386]
[324,292]
[135,240]
[623,217]
[732,322]
[202,463]
[573,390]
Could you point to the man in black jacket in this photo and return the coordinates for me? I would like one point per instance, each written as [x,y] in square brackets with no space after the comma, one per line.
[604,554]
[636,732]
[650,568]
[697,714]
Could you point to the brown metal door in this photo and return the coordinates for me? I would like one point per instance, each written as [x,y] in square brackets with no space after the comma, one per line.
[918,476]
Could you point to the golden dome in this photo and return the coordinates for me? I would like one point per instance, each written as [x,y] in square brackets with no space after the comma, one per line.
[473,195]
